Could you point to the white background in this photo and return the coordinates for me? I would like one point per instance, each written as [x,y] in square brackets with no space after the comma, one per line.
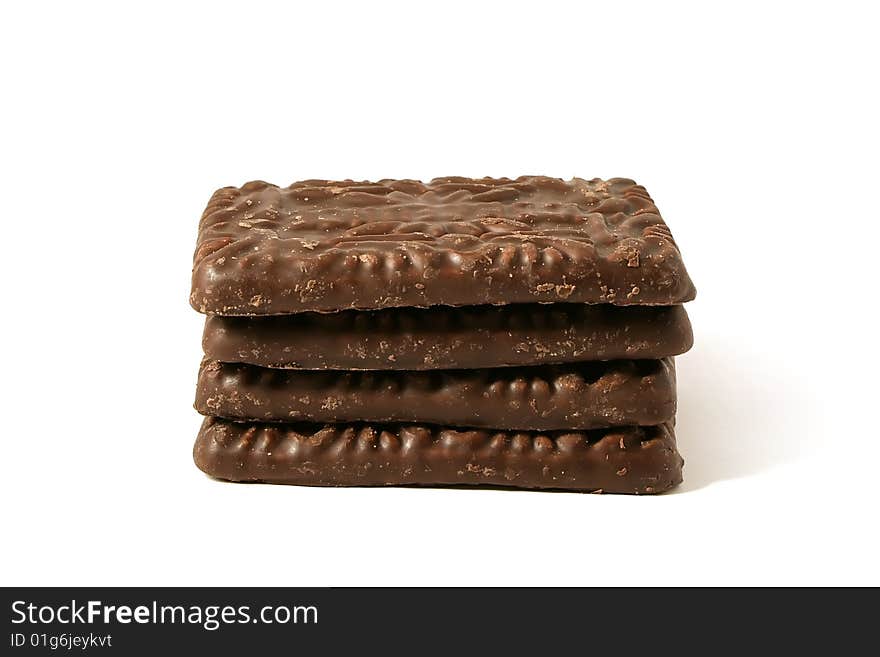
[754,128]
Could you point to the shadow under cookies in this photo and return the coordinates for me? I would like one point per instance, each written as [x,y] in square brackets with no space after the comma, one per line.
[732,419]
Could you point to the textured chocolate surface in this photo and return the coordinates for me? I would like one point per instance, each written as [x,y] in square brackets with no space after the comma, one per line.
[331,245]
[619,460]
[450,338]
[575,396]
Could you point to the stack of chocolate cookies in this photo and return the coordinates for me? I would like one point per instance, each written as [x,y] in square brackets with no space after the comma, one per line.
[464,331]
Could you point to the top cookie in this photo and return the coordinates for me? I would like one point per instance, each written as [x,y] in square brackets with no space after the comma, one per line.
[325,246]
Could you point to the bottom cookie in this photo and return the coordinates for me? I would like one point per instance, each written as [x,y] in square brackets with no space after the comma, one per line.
[634,460]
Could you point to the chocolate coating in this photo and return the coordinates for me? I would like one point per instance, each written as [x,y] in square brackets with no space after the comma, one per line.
[325,246]
[450,338]
[620,460]
[574,396]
